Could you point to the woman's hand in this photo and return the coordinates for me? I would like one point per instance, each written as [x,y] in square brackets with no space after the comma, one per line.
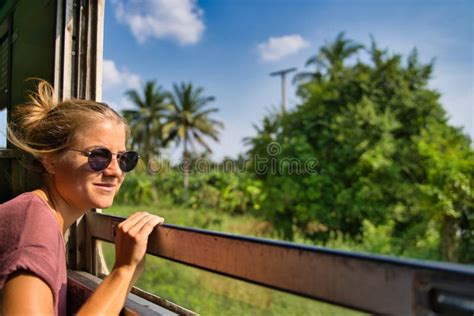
[130,249]
[131,242]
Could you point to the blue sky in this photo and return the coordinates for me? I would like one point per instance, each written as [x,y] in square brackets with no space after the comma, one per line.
[225,46]
[229,47]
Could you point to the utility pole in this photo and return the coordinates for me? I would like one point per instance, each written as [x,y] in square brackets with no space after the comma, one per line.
[282,74]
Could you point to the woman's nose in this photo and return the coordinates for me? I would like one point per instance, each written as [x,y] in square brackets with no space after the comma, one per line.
[113,168]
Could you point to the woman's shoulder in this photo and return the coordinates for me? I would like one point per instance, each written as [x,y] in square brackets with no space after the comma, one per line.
[27,215]
[16,209]
[21,204]
[21,199]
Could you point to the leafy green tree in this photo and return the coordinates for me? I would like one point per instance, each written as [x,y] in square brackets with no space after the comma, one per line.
[189,121]
[375,129]
[146,121]
[271,124]
[449,189]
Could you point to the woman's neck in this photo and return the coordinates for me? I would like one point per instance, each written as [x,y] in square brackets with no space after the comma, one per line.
[64,214]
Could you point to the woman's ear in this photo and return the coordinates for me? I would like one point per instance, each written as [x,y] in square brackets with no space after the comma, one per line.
[48,164]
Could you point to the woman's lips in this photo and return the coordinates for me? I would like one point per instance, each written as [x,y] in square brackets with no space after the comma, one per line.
[107,187]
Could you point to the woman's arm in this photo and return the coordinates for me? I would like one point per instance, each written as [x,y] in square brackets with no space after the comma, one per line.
[26,294]
[130,249]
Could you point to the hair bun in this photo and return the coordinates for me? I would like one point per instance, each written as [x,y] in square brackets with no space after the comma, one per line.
[39,104]
[45,126]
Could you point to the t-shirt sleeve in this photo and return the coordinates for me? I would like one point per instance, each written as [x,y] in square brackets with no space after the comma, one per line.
[38,248]
[31,259]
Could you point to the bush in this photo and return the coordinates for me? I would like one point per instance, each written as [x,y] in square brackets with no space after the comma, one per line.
[136,189]
[234,193]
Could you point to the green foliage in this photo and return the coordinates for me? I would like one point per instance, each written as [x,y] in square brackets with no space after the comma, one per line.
[233,193]
[449,189]
[146,121]
[388,163]
[188,118]
[189,121]
[366,161]
[136,189]
[162,117]
[229,192]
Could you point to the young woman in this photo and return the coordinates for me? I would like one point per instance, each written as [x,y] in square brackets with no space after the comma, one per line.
[80,148]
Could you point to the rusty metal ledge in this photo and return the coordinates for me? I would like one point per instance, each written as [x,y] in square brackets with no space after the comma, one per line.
[82,284]
[372,283]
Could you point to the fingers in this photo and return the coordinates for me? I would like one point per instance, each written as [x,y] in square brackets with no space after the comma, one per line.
[132,238]
[147,227]
[140,223]
[127,224]
[146,223]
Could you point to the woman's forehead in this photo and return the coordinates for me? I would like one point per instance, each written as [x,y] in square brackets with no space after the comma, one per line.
[108,133]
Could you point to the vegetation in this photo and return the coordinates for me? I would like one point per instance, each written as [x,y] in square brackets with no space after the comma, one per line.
[163,117]
[231,193]
[189,122]
[146,122]
[387,161]
[366,162]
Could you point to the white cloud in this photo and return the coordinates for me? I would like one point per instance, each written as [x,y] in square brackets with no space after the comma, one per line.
[180,20]
[276,48]
[119,104]
[113,77]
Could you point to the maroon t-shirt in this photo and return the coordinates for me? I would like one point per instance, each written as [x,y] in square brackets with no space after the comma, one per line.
[30,239]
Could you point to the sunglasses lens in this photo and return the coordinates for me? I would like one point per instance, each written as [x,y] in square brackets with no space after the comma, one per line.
[128,160]
[99,159]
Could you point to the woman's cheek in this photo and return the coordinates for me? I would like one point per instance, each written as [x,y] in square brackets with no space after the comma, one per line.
[118,187]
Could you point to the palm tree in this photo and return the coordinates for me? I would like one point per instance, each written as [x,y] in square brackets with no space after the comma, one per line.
[330,59]
[264,134]
[188,122]
[146,121]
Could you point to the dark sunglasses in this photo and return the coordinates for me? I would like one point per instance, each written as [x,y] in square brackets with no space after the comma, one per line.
[100,158]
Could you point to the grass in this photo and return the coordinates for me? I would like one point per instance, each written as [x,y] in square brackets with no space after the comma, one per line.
[211,294]
[199,218]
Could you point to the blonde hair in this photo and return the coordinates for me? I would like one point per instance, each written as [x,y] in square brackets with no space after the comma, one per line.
[44,126]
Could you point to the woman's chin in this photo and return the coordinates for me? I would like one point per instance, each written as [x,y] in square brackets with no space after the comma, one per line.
[103,203]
